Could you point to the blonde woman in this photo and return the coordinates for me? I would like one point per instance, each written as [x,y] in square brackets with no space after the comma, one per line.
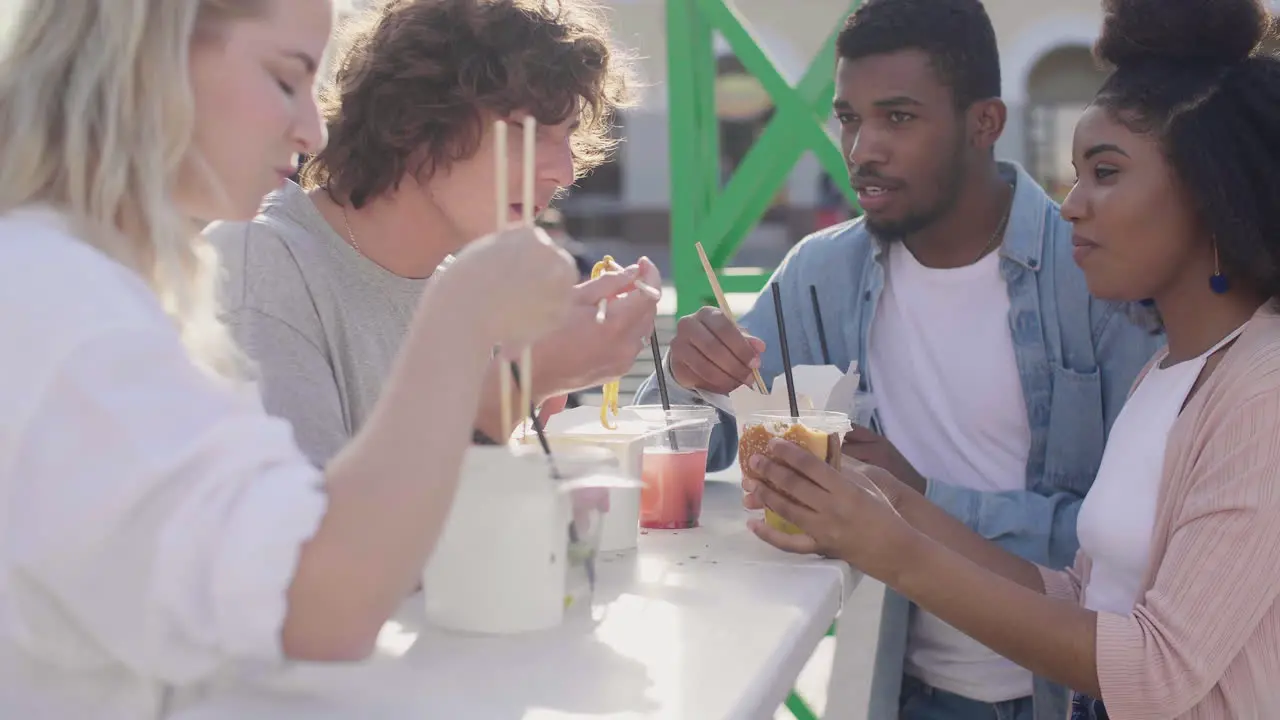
[157,528]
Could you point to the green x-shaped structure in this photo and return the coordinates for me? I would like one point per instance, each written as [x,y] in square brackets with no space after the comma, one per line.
[700,211]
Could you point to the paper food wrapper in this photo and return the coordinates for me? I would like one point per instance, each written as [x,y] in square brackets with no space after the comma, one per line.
[818,387]
[843,393]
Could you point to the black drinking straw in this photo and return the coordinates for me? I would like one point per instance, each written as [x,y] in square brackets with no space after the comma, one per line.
[537,426]
[822,332]
[662,386]
[786,353]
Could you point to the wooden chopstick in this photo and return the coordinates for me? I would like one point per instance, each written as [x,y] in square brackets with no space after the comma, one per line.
[528,160]
[503,207]
[724,305]
[502,202]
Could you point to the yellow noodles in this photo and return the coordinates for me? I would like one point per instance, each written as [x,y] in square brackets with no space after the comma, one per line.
[609,399]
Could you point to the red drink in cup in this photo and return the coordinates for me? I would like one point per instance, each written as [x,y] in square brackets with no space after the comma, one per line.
[674,467]
[672,495]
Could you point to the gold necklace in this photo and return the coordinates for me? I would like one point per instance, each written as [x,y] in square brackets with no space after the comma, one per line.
[351,236]
[1000,232]
[998,235]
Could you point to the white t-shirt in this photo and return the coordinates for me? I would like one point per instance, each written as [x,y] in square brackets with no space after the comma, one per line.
[950,399]
[150,516]
[1118,515]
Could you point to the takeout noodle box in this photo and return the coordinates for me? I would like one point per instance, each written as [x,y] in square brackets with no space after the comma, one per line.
[500,564]
[514,538]
[844,392]
[818,387]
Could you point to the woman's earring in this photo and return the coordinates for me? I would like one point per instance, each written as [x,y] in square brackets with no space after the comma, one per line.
[1218,282]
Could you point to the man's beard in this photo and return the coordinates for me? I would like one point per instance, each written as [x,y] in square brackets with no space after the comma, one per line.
[950,182]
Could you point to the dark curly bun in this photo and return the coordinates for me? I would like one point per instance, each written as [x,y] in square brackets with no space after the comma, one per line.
[1215,32]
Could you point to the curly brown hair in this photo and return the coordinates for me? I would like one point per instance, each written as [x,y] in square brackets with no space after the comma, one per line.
[415,80]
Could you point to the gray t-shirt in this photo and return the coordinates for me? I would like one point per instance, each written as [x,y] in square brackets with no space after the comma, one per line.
[321,322]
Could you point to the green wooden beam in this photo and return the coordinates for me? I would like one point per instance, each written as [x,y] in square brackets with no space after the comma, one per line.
[692,56]
[700,210]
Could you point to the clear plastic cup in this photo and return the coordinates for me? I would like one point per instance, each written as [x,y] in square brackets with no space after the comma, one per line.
[811,430]
[674,466]
[586,474]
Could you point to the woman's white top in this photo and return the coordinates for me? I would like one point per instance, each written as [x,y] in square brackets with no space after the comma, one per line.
[150,517]
[1118,515]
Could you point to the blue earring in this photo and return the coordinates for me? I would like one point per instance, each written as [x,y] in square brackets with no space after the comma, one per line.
[1218,282]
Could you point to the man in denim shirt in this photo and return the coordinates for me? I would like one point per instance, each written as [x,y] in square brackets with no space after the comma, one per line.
[996,376]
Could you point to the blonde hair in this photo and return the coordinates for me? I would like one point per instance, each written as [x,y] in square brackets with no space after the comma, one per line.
[96,120]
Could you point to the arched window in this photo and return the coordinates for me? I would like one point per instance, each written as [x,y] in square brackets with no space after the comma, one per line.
[1059,88]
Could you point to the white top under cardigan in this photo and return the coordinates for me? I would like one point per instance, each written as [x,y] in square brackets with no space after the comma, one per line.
[1118,515]
[150,517]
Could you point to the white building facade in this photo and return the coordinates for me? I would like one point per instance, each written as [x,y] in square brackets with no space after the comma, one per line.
[1048,78]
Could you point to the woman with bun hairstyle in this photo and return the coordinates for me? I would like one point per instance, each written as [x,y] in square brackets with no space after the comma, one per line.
[1171,609]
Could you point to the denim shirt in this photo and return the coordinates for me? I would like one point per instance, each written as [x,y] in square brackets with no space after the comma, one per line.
[1077,358]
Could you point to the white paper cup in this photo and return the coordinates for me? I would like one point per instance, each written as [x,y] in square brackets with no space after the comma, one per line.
[500,564]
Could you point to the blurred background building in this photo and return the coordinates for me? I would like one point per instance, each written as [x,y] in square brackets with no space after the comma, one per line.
[623,207]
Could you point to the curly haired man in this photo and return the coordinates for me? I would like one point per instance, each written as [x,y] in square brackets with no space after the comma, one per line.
[320,286]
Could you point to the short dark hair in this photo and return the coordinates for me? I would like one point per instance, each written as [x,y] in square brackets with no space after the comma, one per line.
[956,35]
[413,78]
[1191,74]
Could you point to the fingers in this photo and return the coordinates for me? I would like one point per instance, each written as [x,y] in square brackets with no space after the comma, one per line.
[705,372]
[780,478]
[553,405]
[799,544]
[730,337]
[606,287]
[633,312]
[627,326]
[794,464]
[704,357]
[649,274]
[543,287]
[750,500]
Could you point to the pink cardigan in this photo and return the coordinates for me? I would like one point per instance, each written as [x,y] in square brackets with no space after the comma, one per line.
[1203,642]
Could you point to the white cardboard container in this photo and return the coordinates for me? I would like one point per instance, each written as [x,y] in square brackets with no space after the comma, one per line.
[818,387]
[500,566]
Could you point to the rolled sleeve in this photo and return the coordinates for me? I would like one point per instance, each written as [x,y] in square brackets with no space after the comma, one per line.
[161,514]
[1039,528]
[257,561]
[960,503]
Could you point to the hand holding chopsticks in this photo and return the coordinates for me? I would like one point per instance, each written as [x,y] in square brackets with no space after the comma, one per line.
[710,351]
